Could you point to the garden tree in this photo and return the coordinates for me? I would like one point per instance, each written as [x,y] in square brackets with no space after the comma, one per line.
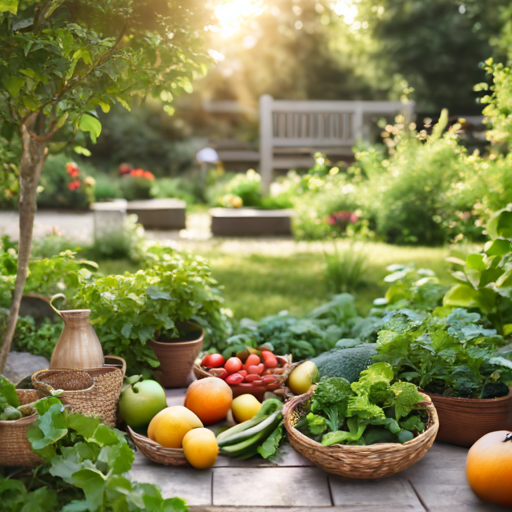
[435,45]
[61,60]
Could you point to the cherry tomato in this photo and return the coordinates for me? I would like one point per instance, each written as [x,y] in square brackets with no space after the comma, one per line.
[221,373]
[256,369]
[235,378]
[269,379]
[243,372]
[213,361]
[233,365]
[252,360]
[269,358]
[252,377]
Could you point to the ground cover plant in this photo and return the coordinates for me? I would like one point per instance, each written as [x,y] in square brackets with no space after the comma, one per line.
[85,466]
[377,408]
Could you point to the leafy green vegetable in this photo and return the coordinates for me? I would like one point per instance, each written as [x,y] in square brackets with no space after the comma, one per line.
[453,354]
[367,411]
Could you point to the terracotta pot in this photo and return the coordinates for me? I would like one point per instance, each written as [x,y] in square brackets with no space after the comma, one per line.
[177,355]
[462,421]
[78,346]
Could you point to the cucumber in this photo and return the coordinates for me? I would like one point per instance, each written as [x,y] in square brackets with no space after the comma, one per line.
[246,434]
[249,447]
[241,427]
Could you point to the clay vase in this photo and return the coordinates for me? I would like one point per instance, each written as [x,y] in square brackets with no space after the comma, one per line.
[177,355]
[78,345]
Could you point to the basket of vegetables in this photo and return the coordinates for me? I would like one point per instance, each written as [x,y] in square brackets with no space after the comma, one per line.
[254,371]
[372,428]
[16,416]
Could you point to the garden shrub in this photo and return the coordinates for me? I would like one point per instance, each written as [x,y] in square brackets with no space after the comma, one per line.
[107,187]
[178,188]
[64,185]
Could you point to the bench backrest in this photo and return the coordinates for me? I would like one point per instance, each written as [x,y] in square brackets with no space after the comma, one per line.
[316,124]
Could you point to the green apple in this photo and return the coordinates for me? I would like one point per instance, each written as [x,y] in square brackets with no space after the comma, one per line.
[303,377]
[140,402]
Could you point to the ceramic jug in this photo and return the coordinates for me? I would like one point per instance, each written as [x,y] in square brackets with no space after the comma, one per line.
[78,345]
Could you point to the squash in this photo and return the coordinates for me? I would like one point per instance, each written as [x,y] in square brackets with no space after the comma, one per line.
[489,468]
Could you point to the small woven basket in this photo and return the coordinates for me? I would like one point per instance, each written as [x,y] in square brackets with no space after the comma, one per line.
[158,453]
[15,448]
[92,392]
[360,462]
[281,374]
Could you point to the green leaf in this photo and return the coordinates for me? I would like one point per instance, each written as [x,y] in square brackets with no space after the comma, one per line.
[8,391]
[92,482]
[155,293]
[271,444]
[82,151]
[500,224]
[498,247]
[126,330]
[90,124]
[461,295]
[406,398]
[9,6]
[13,84]
[476,261]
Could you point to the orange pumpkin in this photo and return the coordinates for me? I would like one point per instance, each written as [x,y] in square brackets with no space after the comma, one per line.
[489,468]
[210,399]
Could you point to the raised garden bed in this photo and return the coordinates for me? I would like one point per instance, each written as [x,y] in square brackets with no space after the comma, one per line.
[159,213]
[251,222]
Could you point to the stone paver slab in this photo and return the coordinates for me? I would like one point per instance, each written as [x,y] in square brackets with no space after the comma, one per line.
[270,487]
[190,484]
[388,493]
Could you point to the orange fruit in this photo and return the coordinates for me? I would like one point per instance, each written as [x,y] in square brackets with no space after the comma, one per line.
[200,448]
[210,399]
[169,427]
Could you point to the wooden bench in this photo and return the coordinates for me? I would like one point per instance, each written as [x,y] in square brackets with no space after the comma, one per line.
[311,126]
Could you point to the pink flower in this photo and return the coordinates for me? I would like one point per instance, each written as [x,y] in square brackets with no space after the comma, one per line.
[74,185]
[342,219]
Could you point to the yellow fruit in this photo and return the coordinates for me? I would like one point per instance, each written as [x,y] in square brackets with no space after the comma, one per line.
[244,407]
[200,448]
[169,426]
[303,377]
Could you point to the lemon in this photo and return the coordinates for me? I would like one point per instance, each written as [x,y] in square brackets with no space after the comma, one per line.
[244,407]
[169,427]
[200,448]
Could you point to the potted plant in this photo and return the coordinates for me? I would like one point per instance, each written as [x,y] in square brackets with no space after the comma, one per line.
[155,318]
[454,359]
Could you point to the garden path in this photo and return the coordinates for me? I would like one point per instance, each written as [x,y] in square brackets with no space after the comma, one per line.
[293,484]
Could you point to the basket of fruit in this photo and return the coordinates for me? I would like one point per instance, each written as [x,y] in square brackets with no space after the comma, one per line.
[16,416]
[254,372]
[369,429]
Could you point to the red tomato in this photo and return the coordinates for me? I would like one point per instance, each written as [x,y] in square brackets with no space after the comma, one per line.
[243,372]
[252,360]
[252,377]
[235,378]
[233,365]
[213,361]
[269,358]
[256,369]
[269,379]
[221,373]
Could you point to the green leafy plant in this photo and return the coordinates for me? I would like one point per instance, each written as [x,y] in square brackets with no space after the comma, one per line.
[447,354]
[303,337]
[372,410]
[130,309]
[37,338]
[485,278]
[84,468]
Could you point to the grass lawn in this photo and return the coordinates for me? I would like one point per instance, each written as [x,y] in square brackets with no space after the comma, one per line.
[257,284]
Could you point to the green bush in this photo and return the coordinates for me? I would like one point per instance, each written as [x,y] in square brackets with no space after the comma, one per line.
[133,188]
[61,188]
[178,188]
[107,187]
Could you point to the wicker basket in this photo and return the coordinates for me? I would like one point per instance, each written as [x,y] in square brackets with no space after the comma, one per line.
[92,392]
[158,453]
[359,462]
[283,372]
[15,449]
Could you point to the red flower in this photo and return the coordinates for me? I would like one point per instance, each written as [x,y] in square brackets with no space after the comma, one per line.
[149,175]
[74,185]
[141,173]
[342,219]
[125,169]
[72,169]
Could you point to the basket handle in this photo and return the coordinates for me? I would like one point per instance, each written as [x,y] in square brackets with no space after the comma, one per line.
[119,360]
[57,296]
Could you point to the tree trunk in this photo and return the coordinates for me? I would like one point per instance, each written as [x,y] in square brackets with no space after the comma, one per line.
[32,160]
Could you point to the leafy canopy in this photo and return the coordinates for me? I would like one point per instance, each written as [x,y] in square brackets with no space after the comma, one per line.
[61,60]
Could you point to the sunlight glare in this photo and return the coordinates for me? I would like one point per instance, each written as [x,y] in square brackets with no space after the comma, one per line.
[232,13]
[346,9]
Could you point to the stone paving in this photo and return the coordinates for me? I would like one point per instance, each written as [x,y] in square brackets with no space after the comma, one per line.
[437,483]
